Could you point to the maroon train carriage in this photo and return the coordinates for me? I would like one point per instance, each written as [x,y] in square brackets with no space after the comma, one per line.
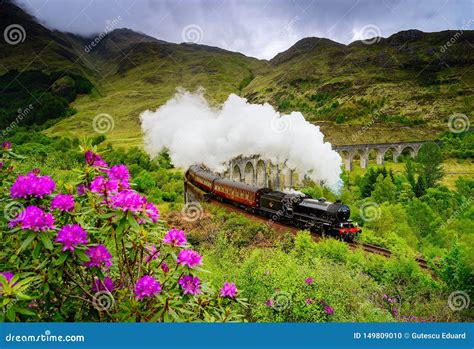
[240,193]
[201,177]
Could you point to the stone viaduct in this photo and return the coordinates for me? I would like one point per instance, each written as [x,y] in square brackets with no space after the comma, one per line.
[255,170]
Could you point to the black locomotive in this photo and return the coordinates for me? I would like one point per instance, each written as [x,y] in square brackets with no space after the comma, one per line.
[302,211]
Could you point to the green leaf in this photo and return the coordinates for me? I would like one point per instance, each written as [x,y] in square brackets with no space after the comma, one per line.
[81,255]
[27,241]
[133,222]
[119,230]
[61,259]
[24,311]
[37,250]
[11,314]
[46,241]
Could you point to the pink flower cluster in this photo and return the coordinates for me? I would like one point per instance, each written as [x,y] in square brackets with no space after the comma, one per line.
[106,285]
[129,200]
[33,218]
[63,202]
[94,159]
[120,174]
[190,284]
[98,256]
[70,236]
[175,237]
[228,290]
[32,185]
[147,287]
[190,258]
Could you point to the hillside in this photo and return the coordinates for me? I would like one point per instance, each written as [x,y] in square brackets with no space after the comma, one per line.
[403,85]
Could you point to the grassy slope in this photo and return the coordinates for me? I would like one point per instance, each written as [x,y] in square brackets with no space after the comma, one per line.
[405,76]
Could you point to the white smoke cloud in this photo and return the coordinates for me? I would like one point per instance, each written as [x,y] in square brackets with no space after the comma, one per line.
[195,132]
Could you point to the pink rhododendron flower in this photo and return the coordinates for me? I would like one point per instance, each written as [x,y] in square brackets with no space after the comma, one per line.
[106,285]
[329,310]
[32,185]
[190,258]
[98,256]
[269,303]
[33,218]
[100,185]
[63,202]
[120,173]
[175,237]
[8,275]
[151,253]
[165,267]
[190,284]
[309,280]
[147,287]
[6,145]
[152,212]
[128,200]
[70,236]
[228,290]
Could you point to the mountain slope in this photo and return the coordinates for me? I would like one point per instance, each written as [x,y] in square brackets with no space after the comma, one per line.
[405,86]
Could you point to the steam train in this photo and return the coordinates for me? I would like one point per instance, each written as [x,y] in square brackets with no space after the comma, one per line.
[316,215]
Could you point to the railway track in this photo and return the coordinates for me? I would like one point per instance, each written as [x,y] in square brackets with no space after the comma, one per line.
[281,227]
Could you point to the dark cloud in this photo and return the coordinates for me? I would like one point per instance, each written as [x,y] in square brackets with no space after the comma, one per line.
[259,28]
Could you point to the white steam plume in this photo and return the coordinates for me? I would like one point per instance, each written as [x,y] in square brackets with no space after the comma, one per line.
[194,132]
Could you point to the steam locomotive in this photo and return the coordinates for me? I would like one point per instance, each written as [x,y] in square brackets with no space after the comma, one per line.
[302,211]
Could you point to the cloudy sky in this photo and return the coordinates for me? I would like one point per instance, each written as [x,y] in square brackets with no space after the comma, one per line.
[258,28]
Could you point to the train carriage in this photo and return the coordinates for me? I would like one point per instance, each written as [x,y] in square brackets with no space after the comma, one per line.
[240,193]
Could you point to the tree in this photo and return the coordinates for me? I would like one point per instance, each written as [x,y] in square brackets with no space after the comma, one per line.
[384,190]
[429,165]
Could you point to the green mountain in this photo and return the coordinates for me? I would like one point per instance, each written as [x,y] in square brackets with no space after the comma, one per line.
[403,87]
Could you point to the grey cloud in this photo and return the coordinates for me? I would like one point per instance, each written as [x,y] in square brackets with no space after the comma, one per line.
[259,28]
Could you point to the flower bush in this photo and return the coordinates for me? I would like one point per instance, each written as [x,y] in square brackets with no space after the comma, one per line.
[95,250]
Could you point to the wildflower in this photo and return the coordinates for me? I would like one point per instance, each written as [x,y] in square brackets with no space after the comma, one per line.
[228,290]
[120,173]
[128,200]
[98,256]
[63,202]
[395,311]
[93,159]
[309,280]
[269,303]
[100,185]
[147,287]
[106,285]
[70,236]
[6,145]
[81,189]
[33,218]
[309,301]
[190,284]
[8,275]
[152,212]
[90,157]
[32,185]
[190,258]
[329,310]
[152,253]
[175,237]
[165,268]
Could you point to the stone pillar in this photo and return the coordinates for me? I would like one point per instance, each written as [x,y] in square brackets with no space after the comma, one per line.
[348,163]
[380,159]
[364,159]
